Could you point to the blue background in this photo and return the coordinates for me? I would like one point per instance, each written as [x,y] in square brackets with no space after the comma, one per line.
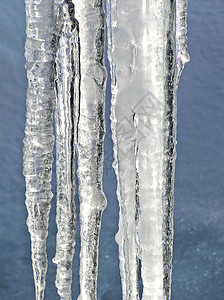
[198,271]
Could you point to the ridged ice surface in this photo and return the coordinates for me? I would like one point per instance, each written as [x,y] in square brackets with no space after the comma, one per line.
[142,44]
[65,65]
[66,115]
[90,15]
[38,141]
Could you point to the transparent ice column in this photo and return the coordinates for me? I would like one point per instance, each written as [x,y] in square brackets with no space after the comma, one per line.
[90,15]
[67,79]
[143,53]
[39,139]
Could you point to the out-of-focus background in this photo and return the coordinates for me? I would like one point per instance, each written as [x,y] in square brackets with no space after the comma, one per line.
[198,263]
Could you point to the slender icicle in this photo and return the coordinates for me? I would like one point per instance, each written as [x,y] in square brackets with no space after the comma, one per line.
[39,139]
[177,56]
[67,105]
[90,15]
[142,52]
[170,120]
[122,51]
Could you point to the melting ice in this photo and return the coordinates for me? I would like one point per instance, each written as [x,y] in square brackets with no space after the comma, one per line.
[65,68]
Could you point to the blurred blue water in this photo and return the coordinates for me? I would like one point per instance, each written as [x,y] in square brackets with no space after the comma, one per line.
[199,206]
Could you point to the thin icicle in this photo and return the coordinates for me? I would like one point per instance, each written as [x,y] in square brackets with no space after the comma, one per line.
[177,55]
[90,15]
[170,120]
[122,50]
[67,105]
[39,139]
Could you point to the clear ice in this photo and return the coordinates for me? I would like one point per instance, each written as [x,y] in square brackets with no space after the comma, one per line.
[147,51]
[64,53]
[39,139]
[90,15]
[71,78]
[67,79]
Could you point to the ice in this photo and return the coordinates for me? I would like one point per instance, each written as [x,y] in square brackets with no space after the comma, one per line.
[53,69]
[142,54]
[181,35]
[65,65]
[90,15]
[66,116]
[38,141]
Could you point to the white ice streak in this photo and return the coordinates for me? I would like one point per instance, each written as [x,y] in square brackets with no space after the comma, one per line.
[127,183]
[141,50]
[66,116]
[38,141]
[181,35]
[90,15]
[121,54]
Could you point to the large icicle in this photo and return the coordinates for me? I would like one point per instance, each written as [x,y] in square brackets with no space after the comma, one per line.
[142,52]
[66,116]
[38,141]
[90,15]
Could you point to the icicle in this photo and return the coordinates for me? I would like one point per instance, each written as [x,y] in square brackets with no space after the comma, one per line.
[147,52]
[177,55]
[67,105]
[170,119]
[144,74]
[38,141]
[122,52]
[90,16]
